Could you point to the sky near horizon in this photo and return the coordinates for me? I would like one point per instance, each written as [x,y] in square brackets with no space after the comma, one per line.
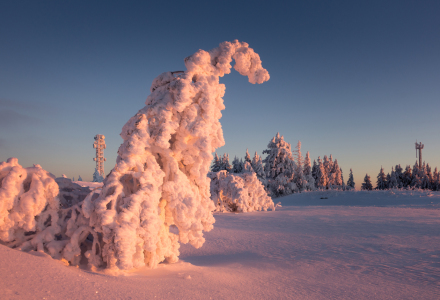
[355,79]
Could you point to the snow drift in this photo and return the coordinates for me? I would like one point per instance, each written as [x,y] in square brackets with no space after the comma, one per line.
[160,178]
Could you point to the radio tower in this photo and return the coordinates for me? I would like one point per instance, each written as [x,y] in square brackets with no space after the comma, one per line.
[99,144]
[419,147]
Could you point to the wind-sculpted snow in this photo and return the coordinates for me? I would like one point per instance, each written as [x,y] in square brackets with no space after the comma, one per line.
[242,192]
[160,178]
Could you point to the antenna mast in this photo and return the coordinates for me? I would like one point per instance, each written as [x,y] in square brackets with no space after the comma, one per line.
[419,146]
[99,144]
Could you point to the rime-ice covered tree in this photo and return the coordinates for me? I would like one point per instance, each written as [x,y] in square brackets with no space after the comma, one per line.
[366,185]
[407,177]
[79,178]
[159,180]
[381,183]
[237,165]
[392,182]
[97,177]
[399,176]
[336,175]
[216,164]
[225,165]
[279,167]
[435,180]
[350,182]
[323,179]
[247,157]
[299,178]
[307,171]
[257,165]
[415,176]
[342,179]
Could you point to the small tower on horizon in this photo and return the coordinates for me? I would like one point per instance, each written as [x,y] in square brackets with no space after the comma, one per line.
[419,147]
[99,145]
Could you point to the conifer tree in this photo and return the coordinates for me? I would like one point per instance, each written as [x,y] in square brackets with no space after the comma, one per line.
[79,178]
[436,180]
[97,177]
[350,182]
[217,164]
[392,182]
[315,171]
[225,165]
[323,179]
[257,165]
[407,177]
[399,176]
[247,157]
[415,177]
[279,167]
[336,175]
[237,165]
[366,185]
[381,180]
[307,171]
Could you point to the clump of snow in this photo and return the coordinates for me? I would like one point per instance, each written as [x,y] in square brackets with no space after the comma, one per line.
[242,192]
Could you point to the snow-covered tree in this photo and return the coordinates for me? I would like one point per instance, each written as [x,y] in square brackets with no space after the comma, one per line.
[247,157]
[323,179]
[366,185]
[237,165]
[381,183]
[257,165]
[79,178]
[350,182]
[216,164]
[343,182]
[392,181]
[399,176]
[279,167]
[225,165]
[159,180]
[97,177]
[415,176]
[435,180]
[239,192]
[336,177]
[407,177]
[307,171]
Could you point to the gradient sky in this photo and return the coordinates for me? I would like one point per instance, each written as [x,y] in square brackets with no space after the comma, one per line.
[356,79]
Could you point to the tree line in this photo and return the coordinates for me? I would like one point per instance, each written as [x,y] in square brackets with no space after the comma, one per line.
[282,173]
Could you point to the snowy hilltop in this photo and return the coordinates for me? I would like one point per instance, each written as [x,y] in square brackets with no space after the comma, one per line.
[160,178]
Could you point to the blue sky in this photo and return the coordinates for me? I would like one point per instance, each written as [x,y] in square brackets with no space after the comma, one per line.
[356,79]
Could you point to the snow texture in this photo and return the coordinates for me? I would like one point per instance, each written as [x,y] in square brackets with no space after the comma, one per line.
[241,192]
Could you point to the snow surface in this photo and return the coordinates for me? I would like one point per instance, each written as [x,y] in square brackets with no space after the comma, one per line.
[319,245]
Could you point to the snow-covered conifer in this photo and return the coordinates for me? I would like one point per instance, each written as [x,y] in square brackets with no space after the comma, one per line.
[392,182]
[436,180]
[399,176]
[217,164]
[381,180]
[416,181]
[343,182]
[247,157]
[350,181]
[366,185]
[237,166]
[225,165]
[407,177]
[279,167]
[307,170]
[79,178]
[323,179]
[97,177]
[257,165]
[336,179]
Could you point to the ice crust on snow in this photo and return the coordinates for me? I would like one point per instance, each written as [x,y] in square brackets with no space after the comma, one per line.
[241,192]
[160,178]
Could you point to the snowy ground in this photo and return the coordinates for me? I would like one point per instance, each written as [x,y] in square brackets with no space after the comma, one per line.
[352,245]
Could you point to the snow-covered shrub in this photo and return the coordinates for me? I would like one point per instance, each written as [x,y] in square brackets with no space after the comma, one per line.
[241,192]
[28,205]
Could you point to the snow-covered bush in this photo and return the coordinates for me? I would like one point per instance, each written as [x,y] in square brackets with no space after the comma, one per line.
[241,192]
[70,193]
[28,205]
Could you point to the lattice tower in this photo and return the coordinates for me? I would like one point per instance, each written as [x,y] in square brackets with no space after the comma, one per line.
[419,147]
[99,145]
